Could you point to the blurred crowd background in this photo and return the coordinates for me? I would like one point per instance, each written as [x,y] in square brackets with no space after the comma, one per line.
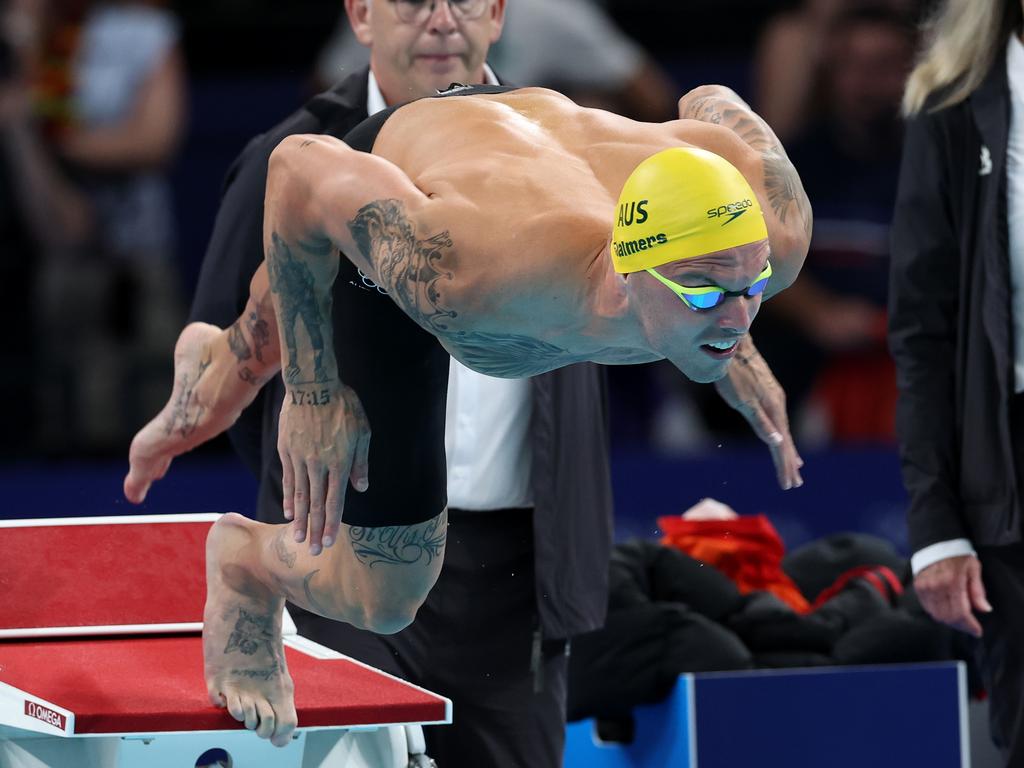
[119,119]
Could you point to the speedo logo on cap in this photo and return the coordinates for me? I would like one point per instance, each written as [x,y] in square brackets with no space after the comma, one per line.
[629,247]
[732,210]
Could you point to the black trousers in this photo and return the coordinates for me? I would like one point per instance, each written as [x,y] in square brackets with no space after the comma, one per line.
[476,641]
[1001,650]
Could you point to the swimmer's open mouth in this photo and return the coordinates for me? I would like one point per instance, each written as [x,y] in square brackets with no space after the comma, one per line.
[720,349]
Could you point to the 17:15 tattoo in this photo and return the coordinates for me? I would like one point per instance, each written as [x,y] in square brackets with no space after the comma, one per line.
[310,397]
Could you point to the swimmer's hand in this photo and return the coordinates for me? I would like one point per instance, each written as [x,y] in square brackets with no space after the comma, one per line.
[324,443]
[752,389]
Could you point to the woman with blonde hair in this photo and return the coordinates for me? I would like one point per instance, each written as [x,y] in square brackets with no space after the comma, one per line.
[956,329]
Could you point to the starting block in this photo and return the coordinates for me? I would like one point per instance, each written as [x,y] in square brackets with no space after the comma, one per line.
[101,662]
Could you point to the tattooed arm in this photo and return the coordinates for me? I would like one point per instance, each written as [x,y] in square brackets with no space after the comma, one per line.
[768,169]
[316,185]
[750,387]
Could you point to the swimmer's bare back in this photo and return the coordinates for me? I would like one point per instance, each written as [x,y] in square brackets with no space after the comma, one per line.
[536,177]
[487,218]
[507,203]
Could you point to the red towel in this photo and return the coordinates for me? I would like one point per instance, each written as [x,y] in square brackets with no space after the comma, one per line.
[748,550]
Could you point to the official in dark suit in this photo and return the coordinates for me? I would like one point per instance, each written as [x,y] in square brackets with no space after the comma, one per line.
[956,329]
[526,560]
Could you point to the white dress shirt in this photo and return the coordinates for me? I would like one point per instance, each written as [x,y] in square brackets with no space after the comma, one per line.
[1015,201]
[487,422]
[1015,222]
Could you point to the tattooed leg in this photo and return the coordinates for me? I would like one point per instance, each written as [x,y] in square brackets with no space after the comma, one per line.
[373,578]
[377,582]
[243,655]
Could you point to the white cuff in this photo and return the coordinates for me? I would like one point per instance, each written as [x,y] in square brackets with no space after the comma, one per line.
[940,551]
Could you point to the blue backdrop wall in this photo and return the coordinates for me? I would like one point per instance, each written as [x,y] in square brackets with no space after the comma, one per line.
[851,489]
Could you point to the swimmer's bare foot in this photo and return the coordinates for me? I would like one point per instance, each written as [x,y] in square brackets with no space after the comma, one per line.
[243,655]
[210,391]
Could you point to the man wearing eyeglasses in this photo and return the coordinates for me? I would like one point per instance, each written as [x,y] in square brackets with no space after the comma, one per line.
[526,553]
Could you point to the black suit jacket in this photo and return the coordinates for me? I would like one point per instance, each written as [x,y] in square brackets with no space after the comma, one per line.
[569,424]
[950,321]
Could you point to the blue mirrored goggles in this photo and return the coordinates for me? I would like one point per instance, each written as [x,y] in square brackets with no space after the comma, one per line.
[710,296]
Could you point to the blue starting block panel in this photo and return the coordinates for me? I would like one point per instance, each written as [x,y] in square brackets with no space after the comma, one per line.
[839,717]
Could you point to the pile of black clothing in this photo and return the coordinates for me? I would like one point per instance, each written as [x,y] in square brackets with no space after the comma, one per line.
[669,614]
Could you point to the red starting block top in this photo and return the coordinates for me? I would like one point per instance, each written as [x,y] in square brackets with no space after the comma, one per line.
[154,684]
[103,575]
[85,647]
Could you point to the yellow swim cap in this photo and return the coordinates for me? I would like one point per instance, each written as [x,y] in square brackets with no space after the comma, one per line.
[681,203]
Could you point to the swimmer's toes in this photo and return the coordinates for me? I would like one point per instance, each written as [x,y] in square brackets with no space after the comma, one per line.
[216,697]
[134,490]
[149,458]
[283,735]
[141,475]
[271,718]
[235,707]
[251,719]
[266,719]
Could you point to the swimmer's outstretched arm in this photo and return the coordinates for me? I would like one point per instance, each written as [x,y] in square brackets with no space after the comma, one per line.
[317,189]
[787,211]
[750,387]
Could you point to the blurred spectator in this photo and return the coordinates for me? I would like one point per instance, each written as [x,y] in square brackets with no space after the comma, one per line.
[113,93]
[700,41]
[574,47]
[669,613]
[569,45]
[827,332]
[792,50]
[41,214]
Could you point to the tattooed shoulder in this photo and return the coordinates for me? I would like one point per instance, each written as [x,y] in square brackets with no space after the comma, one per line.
[410,268]
[784,190]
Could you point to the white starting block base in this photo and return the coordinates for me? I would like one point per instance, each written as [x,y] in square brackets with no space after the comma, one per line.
[386,747]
